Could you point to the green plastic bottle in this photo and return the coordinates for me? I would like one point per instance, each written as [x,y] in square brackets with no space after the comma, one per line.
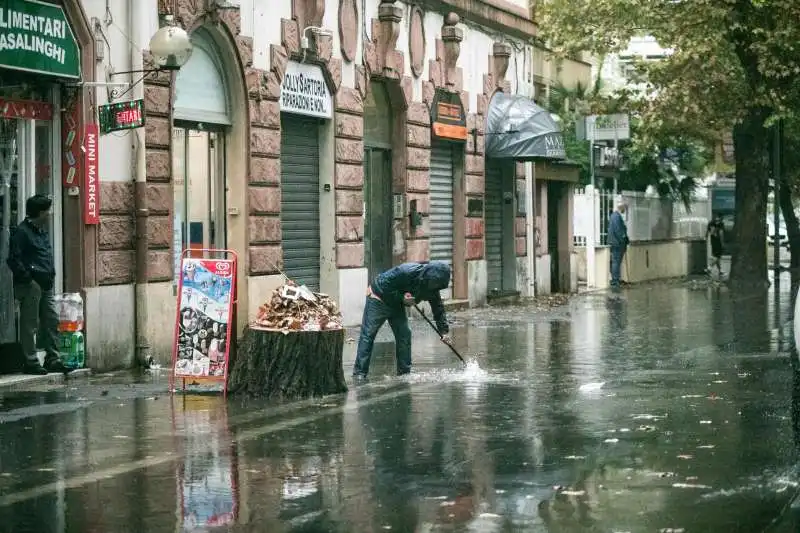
[72,349]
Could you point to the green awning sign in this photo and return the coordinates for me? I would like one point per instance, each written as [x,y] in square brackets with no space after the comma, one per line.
[36,37]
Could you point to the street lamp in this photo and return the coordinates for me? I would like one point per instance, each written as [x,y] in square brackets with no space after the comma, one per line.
[170,48]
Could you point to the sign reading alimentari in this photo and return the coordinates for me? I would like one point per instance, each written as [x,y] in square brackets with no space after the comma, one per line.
[36,37]
[305,92]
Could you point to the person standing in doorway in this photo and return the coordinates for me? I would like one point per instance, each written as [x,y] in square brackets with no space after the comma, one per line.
[714,235]
[388,296]
[618,241]
[32,263]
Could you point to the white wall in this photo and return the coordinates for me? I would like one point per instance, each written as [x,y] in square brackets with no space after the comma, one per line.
[113,21]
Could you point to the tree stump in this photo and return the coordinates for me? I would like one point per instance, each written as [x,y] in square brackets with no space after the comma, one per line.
[281,364]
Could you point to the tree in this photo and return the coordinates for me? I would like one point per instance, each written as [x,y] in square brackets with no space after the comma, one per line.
[732,65]
[671,164]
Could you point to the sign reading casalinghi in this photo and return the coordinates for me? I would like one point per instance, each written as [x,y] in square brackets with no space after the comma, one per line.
[36,37]
[305,92]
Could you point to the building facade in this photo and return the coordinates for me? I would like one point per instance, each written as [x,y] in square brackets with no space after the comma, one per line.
[325,140]
[46,50]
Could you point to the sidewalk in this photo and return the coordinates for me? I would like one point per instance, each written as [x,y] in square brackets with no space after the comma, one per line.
[16,382]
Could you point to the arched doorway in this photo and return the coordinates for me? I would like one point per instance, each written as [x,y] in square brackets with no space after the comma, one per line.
[202,118]
[378,127]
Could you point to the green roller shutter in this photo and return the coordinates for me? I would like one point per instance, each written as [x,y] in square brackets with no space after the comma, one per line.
[441,213]
[300,199]
[493,203]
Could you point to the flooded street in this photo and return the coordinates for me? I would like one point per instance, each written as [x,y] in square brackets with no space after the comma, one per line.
[670,409]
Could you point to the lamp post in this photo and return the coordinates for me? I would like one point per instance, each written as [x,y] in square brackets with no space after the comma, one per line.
[171,49]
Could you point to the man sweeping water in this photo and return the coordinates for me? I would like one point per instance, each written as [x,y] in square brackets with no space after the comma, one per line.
[387,298]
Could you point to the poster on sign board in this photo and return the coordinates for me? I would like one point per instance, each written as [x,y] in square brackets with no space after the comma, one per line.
[205,308]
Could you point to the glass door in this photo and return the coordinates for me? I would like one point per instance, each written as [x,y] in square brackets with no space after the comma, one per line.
[199,191]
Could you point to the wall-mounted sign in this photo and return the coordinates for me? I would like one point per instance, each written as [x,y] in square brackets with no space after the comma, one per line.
[91,184]
[305,92]
[554,146]
[36,37]
[448,119]
[121,116]
[25,109]
[608,127]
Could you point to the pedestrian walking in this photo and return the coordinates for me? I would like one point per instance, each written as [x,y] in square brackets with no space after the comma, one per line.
[618,241]
[32,264]
[714,233]
[388,296]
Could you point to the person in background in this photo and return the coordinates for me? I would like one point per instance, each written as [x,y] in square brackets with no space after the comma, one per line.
[714,235]
[387,298]
[31,261]
[618,241]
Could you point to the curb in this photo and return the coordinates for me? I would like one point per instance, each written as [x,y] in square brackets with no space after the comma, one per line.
[22,382]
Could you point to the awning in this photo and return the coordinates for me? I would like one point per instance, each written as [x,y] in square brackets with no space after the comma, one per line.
[517,128]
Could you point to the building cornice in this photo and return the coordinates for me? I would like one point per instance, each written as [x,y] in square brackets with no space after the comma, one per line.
[499,15]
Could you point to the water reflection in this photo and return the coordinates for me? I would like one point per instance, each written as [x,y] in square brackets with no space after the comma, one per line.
[206,475]
[681,435]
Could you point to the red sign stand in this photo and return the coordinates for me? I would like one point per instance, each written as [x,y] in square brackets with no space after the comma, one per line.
[204,318]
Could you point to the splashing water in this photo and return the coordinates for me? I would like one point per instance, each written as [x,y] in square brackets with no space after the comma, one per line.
[473,371]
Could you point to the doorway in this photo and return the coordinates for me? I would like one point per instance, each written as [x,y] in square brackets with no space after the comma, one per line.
[199,191]
[553,201]
[378,200]
[378,214]
[501,265]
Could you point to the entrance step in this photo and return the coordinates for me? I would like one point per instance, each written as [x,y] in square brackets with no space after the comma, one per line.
[505,298]
[456,305]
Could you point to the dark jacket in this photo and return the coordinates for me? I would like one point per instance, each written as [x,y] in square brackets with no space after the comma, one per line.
[617,230]
[30,256]
[422,280]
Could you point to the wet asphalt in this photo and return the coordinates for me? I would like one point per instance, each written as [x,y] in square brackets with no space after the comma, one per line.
[670,407]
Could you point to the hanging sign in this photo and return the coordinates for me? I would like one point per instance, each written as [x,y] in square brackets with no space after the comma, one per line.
[448,119]
[615,127]
[304,91]
[36,37]
[91,184]
[203,323]
[121,116]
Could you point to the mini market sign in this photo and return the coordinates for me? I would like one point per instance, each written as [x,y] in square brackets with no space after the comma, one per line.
[36,37]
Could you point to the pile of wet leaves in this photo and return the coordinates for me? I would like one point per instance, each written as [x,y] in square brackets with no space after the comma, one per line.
[549,301]
[296,308]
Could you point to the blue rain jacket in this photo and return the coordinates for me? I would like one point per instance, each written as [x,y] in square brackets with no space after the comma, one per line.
[422,280]
[617,230]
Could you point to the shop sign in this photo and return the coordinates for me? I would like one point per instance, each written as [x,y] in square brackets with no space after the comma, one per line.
[615,127]
[91,185]
[36,37]
[304,91]
[448,119]
[25,109]
[554,146]
[121,116]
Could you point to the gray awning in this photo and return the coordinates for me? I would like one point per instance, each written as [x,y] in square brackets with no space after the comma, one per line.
[517,128]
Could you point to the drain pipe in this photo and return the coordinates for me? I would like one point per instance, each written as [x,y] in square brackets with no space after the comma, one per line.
[530,212]
[138,15]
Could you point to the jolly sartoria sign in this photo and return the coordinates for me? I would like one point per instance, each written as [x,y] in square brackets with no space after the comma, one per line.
[305,92]
[36,37]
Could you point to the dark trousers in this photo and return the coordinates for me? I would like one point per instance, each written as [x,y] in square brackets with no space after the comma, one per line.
[617,254]
[375,314]
[37,317]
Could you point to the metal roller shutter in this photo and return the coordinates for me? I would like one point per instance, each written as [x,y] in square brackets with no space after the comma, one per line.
[493,204]
[441,215]
[300,199]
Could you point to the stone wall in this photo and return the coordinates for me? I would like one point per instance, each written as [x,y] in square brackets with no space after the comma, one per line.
[349,179]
